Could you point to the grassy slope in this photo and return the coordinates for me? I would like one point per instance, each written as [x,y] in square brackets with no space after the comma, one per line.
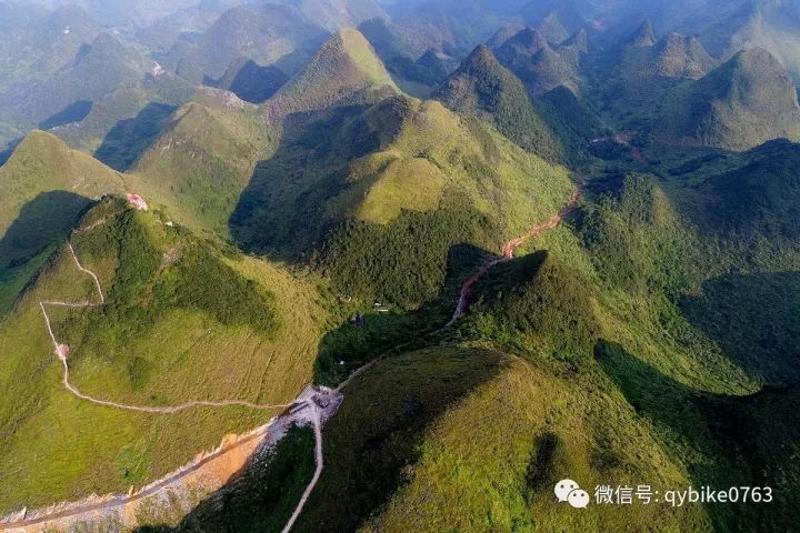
[632,392]
[650,405]
[44,187]
[362,184]
[159,340]
[204,159]
[43,163]
[344,71]
[499,451]
[483,87]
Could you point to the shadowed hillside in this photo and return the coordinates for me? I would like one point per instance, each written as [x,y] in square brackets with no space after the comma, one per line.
[482,87]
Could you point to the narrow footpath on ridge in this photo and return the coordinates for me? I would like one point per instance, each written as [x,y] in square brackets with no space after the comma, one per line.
[63,350]
[304,410]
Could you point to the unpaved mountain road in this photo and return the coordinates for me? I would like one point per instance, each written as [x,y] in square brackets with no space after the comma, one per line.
[508,254]
[297,413]
[62,352]
[312,407]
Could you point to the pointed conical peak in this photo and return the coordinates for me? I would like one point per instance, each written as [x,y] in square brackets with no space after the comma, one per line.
[579,41]
[42,162]
[752,68]
[529,40]
[752,75]
[105,48]
[672,39]
[504,34]
[482,56]
[644,36]
[43,142]
[696,47]
[756,58]
[678,56]
[548,54]
[346,70]
[552,29]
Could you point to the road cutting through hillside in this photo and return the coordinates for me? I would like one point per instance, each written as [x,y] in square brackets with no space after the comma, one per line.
[295,413]
[508,254]
[63,350]
[317,471]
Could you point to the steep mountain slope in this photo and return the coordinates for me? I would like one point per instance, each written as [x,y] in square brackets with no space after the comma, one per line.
[756,197]
[646,395]
[484,88]
[571,15]
[416,69]
[182,320]
[727,28]
[44,187]
[521,47]
[345,71]
[677,56]
[203,159]
[552,29]
[748,100]
[673,56]
[371,179]
[252,82]
[334,15]
[120,126]
[644,36]
[506,32]
[541,67]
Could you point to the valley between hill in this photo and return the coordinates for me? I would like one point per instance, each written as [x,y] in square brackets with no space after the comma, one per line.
[258,441]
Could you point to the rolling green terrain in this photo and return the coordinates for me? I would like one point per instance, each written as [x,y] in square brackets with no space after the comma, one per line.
[577,361]
[612,204]
[44,188]
[161,339]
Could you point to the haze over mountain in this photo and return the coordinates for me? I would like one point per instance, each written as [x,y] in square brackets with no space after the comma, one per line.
[263,33]
[741,104]
[482,87]
[398,265]
[541,66]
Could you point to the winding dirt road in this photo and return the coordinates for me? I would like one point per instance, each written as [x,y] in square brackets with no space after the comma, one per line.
[295,414]
[317,471]
[62,352]
[295,411]
[508,254]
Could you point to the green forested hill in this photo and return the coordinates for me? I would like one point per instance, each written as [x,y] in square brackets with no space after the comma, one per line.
[482,87]
[739,105]
[183,320]
[374,178]
[579,259]
[44,188]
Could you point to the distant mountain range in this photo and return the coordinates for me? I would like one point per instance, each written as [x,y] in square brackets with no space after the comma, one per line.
[524,241]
